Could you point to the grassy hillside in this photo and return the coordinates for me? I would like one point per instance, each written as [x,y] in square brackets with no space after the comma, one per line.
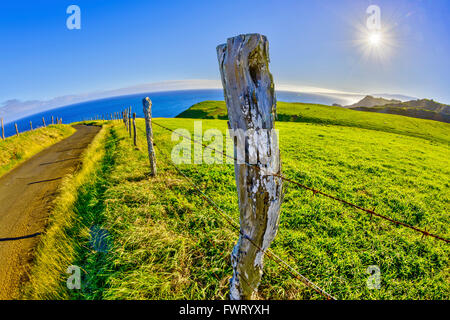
[316,113]
[14,150]
[164,242]
[408,112]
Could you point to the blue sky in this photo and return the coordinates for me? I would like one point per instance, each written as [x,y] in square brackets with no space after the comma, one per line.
[312,43]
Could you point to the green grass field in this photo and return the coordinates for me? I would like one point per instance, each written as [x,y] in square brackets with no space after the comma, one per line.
[16,149]
[322,114]
[165,242]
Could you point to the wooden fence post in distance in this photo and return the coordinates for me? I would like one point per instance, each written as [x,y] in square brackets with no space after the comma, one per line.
[129,123]
[251,103]
[3,130]
[134,129]
[149,133]
[31,126]
[17,130]
[43,121]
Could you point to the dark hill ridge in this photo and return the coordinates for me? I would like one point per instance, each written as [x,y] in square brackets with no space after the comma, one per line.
[421,108]
[425,104]
[369,101]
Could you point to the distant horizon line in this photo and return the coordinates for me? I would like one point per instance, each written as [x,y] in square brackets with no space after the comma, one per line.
[16,109]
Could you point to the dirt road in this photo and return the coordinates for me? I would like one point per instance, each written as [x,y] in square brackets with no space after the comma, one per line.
[26,195]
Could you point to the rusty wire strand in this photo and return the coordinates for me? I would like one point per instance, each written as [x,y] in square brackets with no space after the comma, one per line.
[371,212]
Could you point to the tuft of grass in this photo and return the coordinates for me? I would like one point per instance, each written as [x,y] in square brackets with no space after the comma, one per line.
[16,149]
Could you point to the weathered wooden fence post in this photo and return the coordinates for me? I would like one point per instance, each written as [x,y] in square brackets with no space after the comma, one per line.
[17,130]
[31,126]
[251,103]
[134,129]
[129,122]
[149,132]
[52,120]
[43,121]
[3,130]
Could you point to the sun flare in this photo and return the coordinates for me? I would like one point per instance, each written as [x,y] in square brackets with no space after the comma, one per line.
[375,45]
[375,39]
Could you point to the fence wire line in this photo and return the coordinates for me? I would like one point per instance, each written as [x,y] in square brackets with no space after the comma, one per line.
[271,255]
[371,212]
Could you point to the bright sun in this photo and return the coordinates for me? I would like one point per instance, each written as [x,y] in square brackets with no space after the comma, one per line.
[376,44]
[375,39]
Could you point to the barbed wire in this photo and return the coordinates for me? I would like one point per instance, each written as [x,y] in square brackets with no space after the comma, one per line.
[424,232]
[371,212]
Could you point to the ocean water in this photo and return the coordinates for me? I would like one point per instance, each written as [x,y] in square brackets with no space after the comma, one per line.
[165,104]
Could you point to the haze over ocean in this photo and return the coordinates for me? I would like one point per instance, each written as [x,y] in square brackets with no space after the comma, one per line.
[166,104]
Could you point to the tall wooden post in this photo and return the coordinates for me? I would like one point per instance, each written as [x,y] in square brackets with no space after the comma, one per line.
[17,130]
[251,103]
[52,120]
[134,129]
[31,126]
[3,130]
[149,132]
[43,121]
[129,122]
